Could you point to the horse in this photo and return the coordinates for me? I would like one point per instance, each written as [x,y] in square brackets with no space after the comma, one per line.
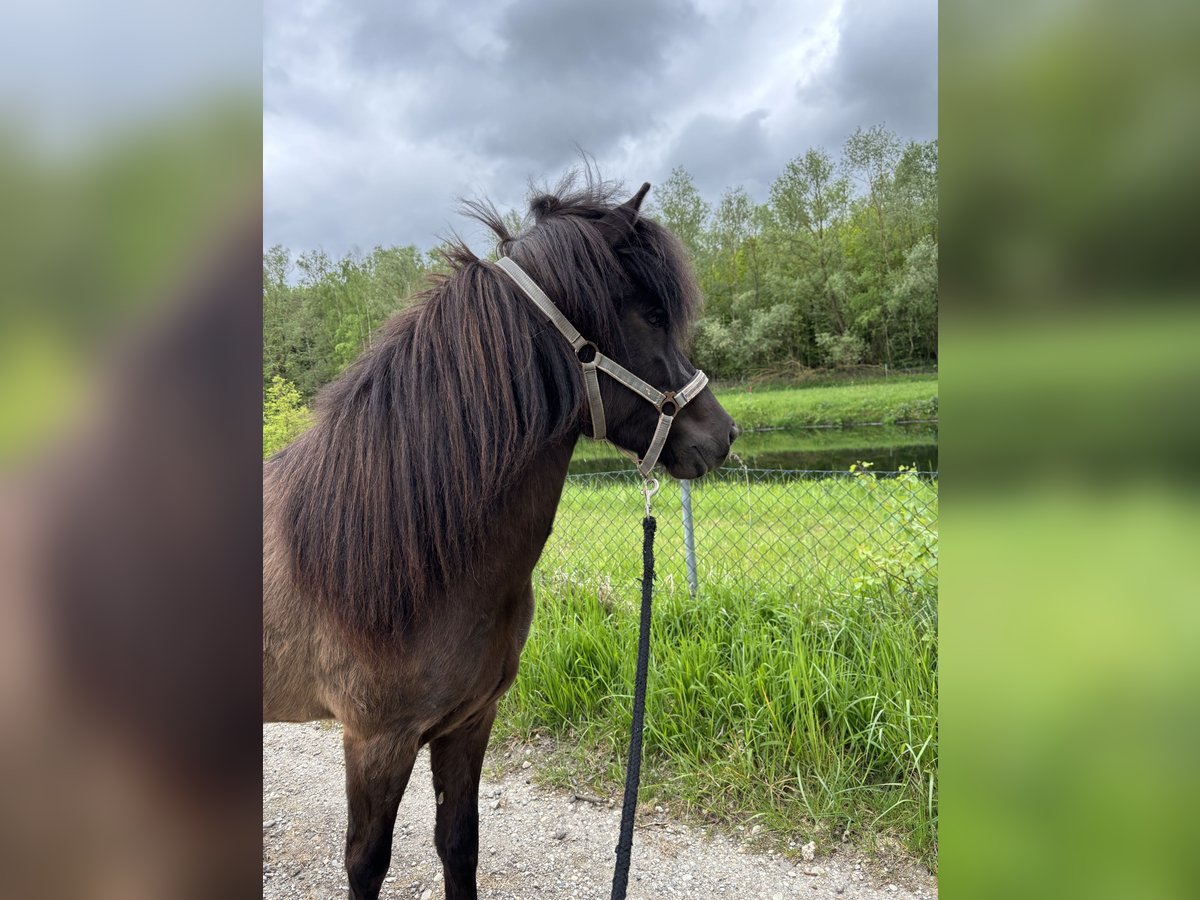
[400,531]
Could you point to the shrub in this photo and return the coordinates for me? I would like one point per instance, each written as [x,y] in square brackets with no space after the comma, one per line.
[841,350]
[284,415]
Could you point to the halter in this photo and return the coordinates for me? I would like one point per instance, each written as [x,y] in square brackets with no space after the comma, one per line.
[668,403]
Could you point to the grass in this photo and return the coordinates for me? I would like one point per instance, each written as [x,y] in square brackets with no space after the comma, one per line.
[755,443]
[798,689]
[891,401]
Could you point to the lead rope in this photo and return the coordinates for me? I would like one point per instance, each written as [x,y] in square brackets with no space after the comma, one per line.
[633,770]
[668,404]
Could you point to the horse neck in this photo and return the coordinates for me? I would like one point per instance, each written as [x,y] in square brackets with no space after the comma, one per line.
[540,487]
[526,510]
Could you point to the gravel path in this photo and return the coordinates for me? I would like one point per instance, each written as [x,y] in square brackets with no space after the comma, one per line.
[534,841]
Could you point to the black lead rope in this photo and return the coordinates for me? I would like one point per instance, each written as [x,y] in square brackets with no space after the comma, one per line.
[633,772]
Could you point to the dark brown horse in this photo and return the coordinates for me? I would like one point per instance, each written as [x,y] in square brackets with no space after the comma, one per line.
[400,532]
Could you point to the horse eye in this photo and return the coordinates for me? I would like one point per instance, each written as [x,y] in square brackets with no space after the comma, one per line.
[657,317]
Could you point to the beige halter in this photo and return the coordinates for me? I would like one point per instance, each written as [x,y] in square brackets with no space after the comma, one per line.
[593,361]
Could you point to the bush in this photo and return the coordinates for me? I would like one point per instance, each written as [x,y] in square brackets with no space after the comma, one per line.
[284,415]
[752,341]
[841,350]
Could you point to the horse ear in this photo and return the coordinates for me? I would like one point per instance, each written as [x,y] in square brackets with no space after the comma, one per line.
[634,203]
[619,222]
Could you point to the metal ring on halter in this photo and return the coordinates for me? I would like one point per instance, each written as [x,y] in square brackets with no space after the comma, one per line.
[668,398]
[587,352]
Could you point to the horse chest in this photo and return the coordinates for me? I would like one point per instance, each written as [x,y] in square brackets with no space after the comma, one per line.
[488,658]
[458,665]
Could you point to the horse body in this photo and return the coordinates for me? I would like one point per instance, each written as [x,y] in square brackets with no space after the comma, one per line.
[400,532]
[418,680]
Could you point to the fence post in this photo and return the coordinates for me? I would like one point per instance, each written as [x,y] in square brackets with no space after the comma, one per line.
[689,536]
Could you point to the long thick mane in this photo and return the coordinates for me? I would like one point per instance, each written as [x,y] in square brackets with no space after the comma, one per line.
[387,497]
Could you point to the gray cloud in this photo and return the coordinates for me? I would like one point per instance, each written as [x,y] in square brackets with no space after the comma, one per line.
[390,37]
[611,41]
[721,152]
[377,115]
[884,71]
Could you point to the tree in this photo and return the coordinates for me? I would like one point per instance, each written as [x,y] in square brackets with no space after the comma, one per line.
[732,251]
[838,267]
[277,342]
[916,189]
[679,206]
[319,314]
[809,204]
[870,157]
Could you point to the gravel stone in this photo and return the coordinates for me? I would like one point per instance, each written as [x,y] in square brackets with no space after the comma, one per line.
[534,845]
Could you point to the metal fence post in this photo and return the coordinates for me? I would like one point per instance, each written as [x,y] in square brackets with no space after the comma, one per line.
[689,536]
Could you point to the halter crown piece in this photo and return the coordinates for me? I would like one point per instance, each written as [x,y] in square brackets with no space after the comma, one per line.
[593,362]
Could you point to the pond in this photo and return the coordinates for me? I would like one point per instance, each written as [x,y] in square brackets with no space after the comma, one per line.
[887,447]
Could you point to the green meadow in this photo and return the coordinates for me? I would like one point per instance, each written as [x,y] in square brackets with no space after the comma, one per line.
[797,689]
[887,402]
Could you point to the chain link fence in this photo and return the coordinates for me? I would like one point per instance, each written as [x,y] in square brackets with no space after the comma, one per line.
[785,533]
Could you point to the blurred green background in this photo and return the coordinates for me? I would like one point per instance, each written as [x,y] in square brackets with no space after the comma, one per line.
[1070,364]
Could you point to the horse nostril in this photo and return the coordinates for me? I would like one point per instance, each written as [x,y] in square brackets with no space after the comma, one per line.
[734,431]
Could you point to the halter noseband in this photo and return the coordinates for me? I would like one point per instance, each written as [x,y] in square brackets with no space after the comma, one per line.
[593,362]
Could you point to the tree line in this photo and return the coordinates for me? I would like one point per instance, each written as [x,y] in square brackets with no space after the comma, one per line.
[837,268]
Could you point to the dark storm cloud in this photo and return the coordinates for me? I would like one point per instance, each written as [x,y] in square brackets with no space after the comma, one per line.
[558,76]
[379,114]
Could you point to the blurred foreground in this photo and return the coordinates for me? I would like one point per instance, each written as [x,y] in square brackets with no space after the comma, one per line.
[130,244]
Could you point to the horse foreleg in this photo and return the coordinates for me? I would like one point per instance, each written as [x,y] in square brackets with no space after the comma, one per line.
[456,760]
[377,771]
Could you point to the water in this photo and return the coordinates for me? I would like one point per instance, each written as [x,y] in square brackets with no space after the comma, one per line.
[886,447]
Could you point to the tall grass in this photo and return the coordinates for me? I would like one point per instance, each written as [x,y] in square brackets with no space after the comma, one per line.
[799,686]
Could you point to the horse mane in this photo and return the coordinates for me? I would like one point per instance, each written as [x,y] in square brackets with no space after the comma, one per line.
[388,496]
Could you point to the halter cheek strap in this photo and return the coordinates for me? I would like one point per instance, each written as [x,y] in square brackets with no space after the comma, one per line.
[593,362]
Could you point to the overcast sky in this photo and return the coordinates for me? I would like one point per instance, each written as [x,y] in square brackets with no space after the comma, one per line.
[378,114]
